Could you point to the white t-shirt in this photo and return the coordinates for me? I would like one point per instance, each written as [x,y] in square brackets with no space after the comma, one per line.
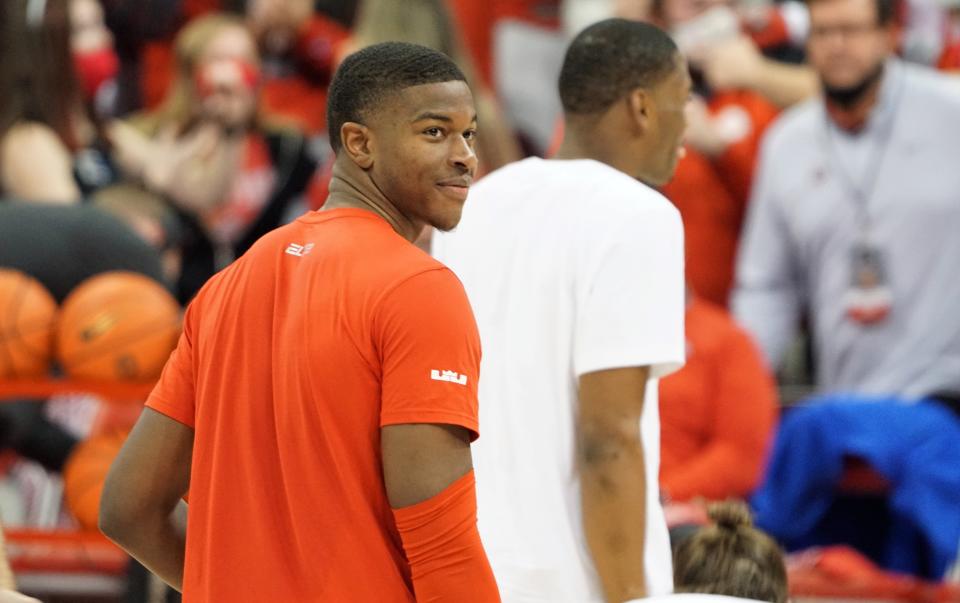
[571,267]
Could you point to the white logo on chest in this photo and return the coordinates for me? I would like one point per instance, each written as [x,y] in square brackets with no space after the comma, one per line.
[299,250]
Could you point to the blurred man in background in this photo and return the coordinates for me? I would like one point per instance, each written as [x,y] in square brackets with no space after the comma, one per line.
[854,216]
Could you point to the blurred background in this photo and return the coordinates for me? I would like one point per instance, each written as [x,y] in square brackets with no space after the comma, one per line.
[146,144]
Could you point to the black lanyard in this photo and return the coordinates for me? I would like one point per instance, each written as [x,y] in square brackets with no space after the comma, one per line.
[861,195]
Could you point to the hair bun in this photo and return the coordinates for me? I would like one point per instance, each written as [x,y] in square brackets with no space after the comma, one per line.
[730,515]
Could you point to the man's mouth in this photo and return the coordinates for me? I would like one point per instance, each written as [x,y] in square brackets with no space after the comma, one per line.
[456,187]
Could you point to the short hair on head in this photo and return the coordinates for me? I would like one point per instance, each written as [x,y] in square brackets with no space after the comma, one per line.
[368,76]
[609,59]
[731,558]
[886,10]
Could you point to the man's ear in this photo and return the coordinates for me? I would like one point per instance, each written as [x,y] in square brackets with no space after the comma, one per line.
[355,139]
[640,109]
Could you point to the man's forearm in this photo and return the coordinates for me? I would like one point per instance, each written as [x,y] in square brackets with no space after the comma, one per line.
[442,544]
[613,492]
[159,543]
[784,84]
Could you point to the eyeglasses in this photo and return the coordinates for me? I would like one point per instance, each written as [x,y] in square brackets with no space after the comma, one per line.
[847,30]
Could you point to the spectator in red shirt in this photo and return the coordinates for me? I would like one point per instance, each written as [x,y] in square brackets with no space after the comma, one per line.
[216,154]
[717,413]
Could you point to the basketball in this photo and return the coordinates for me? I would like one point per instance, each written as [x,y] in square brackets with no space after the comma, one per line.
[27,316]
[117,326]
[85,473]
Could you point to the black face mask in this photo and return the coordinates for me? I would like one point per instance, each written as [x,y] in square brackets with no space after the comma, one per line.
[849,96]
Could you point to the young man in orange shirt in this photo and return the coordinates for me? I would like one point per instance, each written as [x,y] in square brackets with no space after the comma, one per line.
[320,405]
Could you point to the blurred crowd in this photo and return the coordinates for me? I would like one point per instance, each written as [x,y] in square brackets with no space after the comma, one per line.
[819,191]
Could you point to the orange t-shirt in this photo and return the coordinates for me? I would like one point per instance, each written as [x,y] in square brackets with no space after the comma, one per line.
[737,163]
[717,413]
[290,362]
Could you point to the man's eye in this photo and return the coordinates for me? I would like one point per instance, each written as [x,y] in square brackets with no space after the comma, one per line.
[470,134]
[434,132]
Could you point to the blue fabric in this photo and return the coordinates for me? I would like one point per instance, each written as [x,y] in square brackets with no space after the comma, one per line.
[915,446]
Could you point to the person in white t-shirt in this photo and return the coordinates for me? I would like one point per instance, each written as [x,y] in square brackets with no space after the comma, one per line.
[574,268]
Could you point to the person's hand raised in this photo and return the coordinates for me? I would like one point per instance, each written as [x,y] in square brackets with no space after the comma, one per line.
[732,64]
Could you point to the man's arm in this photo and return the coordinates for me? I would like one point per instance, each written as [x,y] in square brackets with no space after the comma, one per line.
[428,474]
[784,84]
[612,478]
[425,326]
[767,299]
[142,508]
[738,64]
[629,328]
[421,460]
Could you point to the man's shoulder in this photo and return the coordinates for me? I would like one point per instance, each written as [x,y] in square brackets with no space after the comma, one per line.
[626,203]
[933,89]
[589,185]
[411,261]
[370,257]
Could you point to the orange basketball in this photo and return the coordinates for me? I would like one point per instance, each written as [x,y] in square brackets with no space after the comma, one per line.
[117,326]
[27,316]
[85,473]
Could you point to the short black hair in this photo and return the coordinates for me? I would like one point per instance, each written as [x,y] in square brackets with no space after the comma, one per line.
[609,59]
[886,10]
[368,76]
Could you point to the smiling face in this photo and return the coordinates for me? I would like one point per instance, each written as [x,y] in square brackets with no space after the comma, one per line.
[423,150]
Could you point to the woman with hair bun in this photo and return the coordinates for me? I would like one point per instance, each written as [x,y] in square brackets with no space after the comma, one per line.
[731,557]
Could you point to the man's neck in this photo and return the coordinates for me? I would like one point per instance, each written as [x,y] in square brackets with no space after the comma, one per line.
[584,142]
[351,187]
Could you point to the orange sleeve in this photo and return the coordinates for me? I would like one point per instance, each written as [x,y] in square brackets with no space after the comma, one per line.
[442,544]
[429,352]
[174,393]
[731,463]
